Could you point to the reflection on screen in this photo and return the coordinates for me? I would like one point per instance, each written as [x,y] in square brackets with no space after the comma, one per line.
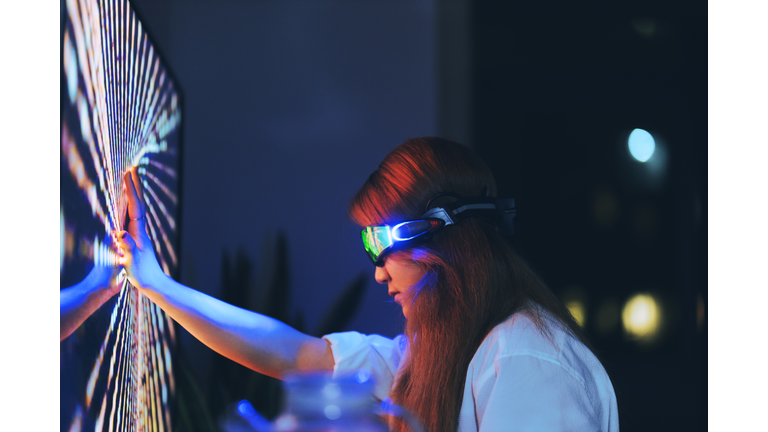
[120,108]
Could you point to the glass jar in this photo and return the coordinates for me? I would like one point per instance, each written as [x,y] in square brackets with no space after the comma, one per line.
[316,402]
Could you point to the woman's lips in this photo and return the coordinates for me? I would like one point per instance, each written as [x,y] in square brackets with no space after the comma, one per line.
[397,298]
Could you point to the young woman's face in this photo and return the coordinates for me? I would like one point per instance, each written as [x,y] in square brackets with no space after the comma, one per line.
[399,274]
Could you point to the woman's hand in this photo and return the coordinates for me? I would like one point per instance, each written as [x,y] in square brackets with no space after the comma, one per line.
[137,257]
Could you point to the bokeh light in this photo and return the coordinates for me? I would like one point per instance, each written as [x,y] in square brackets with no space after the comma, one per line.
[333,412]
[575,299]
[578,311]
[362,376]
[332,391]
[642,317]
[641,145]
[246,409]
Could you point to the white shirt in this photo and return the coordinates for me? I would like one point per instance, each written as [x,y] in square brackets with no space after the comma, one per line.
[517,380]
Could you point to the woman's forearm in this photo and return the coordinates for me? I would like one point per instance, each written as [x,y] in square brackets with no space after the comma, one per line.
[256,341]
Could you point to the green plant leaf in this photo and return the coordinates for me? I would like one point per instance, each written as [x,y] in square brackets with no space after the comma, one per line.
[192,404]
[278,292]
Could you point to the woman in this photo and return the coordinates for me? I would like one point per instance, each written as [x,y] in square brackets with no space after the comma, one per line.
[487,345]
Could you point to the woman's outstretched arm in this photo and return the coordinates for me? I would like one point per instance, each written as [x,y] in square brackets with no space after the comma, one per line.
[256,341]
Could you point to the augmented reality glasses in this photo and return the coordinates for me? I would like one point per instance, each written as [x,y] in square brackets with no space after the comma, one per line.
[379,240]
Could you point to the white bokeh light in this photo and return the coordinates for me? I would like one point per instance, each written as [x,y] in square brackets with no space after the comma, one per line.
[642,317]
[641,145]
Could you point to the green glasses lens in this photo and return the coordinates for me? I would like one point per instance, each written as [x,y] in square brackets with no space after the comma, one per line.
[376,239]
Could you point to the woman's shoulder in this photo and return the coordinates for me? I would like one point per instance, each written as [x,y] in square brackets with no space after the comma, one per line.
[519,335]
[520,361]
[546,339]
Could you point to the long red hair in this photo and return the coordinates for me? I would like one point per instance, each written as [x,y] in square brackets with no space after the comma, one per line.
[473,279]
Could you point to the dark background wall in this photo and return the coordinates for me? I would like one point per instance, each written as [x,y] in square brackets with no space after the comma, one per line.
[558,86]
[290,105]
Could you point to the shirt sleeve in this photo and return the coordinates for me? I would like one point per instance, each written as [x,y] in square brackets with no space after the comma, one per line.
[380,356]
[530,393]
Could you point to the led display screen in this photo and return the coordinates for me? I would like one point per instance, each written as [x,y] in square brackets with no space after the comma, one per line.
[120,108]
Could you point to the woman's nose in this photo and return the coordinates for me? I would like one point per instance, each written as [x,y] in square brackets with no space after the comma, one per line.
[381,275]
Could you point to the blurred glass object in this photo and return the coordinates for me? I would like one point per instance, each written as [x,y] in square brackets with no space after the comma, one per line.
[642,318]
[332,412]
[362,376]
[641,145]
[317,402]
[243,417]
[245,408]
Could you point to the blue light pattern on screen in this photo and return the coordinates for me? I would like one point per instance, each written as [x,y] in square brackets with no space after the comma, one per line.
[120,108]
